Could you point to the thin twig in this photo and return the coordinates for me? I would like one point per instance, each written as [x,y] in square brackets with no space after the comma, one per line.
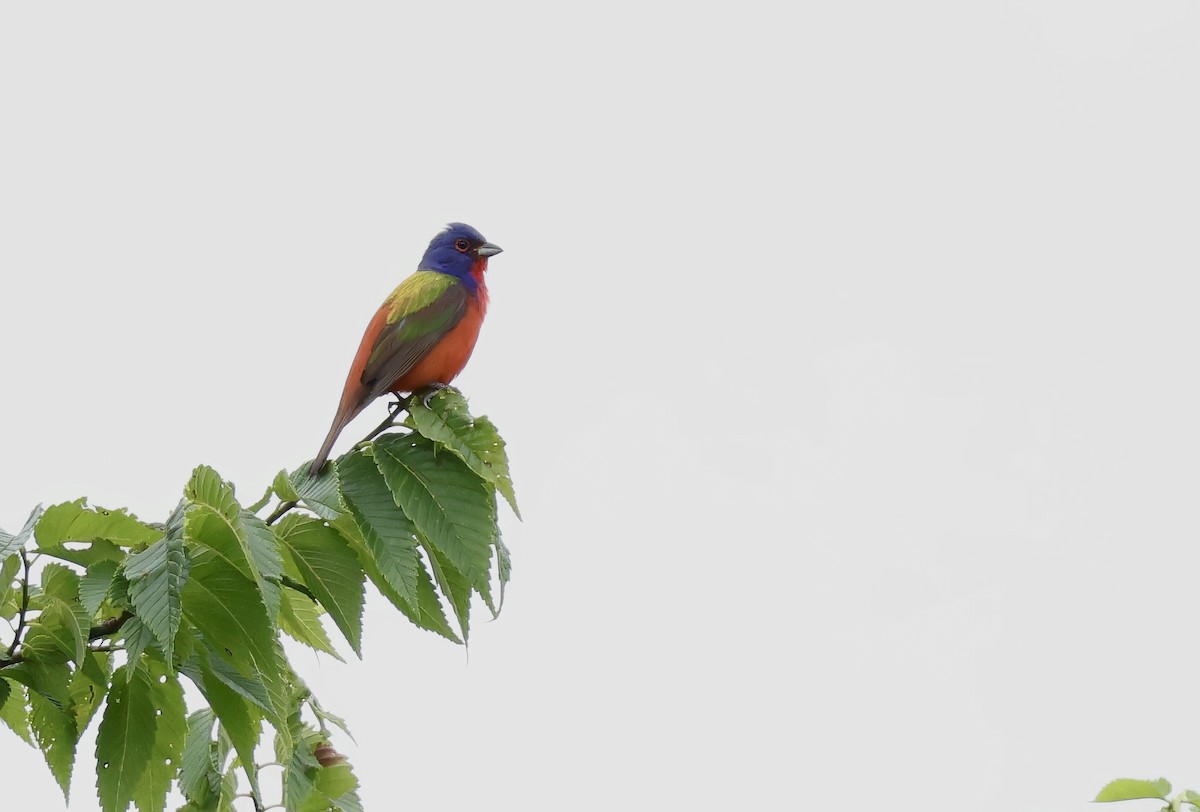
[109,627]
[390,422]
[283,508]
[24,607]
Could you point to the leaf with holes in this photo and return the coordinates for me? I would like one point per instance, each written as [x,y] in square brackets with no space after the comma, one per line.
[125,740]
[474,440]
[170,730]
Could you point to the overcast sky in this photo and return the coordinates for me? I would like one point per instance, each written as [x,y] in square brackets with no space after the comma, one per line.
[846,354]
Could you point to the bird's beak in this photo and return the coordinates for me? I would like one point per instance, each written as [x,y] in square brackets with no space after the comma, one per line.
[488,250]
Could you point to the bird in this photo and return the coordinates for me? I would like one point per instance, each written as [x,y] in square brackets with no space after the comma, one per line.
[424,333]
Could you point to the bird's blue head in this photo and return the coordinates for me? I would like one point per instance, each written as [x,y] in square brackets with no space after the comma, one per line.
[457,250]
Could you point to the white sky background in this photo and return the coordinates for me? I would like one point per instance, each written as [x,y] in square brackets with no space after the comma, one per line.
[847,361]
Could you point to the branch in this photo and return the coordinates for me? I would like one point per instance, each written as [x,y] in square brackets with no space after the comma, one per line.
[106,628]
[110,626]
[390,422]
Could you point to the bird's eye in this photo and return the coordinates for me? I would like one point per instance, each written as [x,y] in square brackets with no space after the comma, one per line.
[462,245]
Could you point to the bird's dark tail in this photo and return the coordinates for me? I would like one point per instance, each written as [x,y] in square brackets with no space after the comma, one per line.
[339,422]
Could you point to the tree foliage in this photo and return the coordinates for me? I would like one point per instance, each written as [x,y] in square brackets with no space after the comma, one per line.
[111,614]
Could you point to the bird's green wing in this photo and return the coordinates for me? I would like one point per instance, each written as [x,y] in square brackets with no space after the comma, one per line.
[421,310]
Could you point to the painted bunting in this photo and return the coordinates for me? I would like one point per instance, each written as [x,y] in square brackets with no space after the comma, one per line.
[425,331]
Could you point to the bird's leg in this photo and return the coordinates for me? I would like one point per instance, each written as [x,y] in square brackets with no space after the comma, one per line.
[394,409]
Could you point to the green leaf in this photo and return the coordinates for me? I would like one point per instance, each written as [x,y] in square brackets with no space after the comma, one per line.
[301,619]
[228,610]
[474,440]
[10,602]
[334,788]
[284,488]
[14,709]
[240,720]
[205,660]
[503,567]
[170,730]
[55,634]
[264,549]
[1128,789]
[94,586]
[156,577]
[428,613]
[388,533]
[215,521]
[318,493]
[125,740]
[56,735]
[88,685]
[331,570]
[448,503]
[138,637]
[454,586]
[48,679]
[74,521]
[10,544]
[199,772]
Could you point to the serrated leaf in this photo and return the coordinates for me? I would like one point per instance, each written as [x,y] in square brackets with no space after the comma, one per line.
[474,440]
[240,720]
[428,614]
[283,487]
[9,597]
[1128,789]
[138,637]
[300,618]
[387,532]
[503,568]
[94,585]
[156,577]
[14,709]
[75,521]
[448,503]
[228,610]
[454,586]
[264,549]
[88,685]
[216,521]
[10,544]
[56,735]
[330,786]
[55,634]
[330,569]
[318,493]
[48,679]
[125,740]
[199,770]
[170,730]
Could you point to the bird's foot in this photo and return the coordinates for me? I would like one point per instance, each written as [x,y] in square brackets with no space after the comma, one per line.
[431,390]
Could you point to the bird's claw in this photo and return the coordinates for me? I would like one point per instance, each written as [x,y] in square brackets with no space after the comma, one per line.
[432,390]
